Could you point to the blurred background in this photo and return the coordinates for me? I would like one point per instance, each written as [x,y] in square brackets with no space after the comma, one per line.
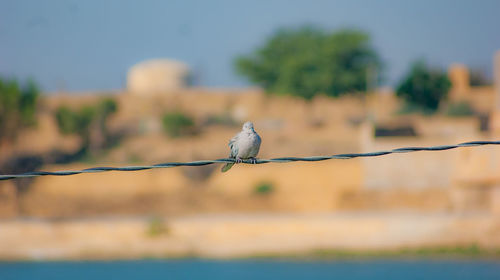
[117,83]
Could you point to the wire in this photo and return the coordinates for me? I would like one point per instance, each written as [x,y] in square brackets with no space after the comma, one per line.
[248,161]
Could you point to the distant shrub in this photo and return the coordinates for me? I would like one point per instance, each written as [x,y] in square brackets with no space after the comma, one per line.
[460,109]
[74,121]
[424,86]
[264,188]
[107,106]
[156,227]
[177,124]
[86,121]
[18,103]
[412,108]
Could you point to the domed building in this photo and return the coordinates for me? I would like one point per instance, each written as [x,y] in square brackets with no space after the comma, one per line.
[157,76]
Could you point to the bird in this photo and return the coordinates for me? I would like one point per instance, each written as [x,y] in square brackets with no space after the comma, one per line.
[244,145]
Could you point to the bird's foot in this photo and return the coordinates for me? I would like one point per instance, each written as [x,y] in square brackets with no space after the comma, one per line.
[253,160]
[238,160]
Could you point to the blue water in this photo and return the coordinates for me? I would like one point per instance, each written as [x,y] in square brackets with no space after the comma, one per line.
[252,269]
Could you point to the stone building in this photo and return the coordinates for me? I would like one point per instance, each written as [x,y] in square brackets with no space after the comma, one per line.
[483,99]
[155,76]
[460,81]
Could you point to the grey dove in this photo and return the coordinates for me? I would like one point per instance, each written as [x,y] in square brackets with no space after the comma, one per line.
[245,145]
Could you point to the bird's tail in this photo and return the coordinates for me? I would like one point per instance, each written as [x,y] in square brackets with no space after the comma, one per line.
[227,166]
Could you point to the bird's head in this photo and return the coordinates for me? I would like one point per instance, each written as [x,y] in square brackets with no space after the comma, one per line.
[248,126]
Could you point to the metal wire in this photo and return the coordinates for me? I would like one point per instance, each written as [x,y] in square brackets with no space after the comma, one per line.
[258,161]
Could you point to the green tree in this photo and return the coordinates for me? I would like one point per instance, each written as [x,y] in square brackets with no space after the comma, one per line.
[308,61]
[460,109]
[88,122]
[424,86]
[76,121]
[17,107]
[176,124]
[105,109]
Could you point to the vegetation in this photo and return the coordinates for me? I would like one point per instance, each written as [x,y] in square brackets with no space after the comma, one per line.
[411,108]
[75,122]
[308,61]
[459,251]
[177,124]
[18,104]
[461,109]
[156,227]
[264,188]
[424,87]
[89,123]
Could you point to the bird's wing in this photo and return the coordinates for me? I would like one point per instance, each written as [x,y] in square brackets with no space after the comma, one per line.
[256,145]
[233,145]
[259,140]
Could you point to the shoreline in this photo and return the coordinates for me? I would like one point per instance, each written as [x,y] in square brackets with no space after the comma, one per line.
[423,253]
[254,236]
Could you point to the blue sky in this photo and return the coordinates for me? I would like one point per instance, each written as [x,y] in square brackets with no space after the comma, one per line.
[89,45]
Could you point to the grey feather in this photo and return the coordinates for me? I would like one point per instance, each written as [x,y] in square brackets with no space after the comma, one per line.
[232,145]
[245,145]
